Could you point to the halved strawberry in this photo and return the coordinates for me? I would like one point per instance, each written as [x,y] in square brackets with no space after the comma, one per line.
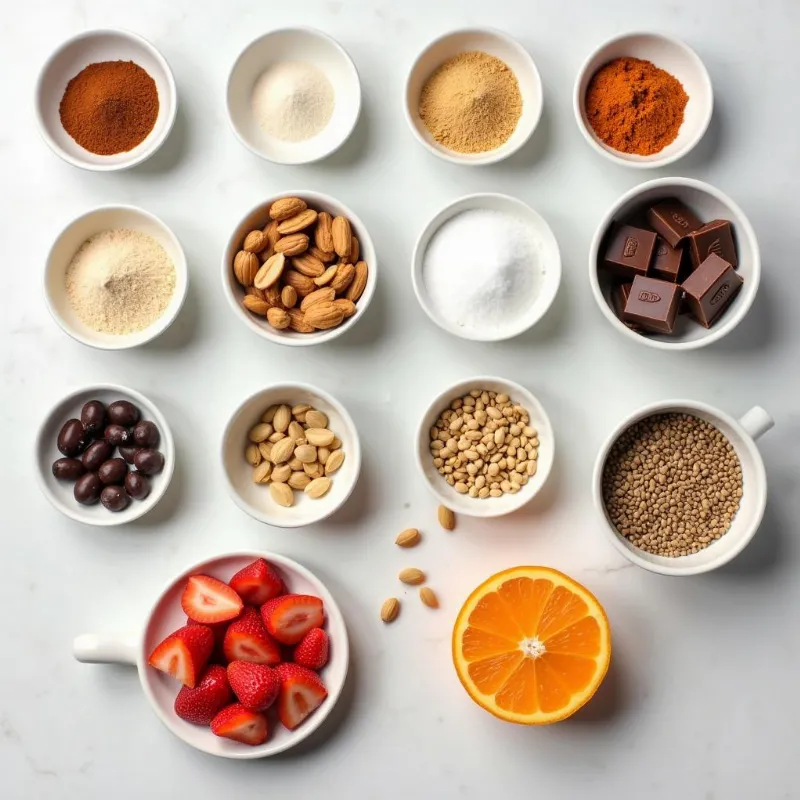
[184,653]
[302,692]
[217,628]
[201,704]
[312,652]
[257,583]
[290,617]
[255,685]
[240,724]
[247,640]
[207,600]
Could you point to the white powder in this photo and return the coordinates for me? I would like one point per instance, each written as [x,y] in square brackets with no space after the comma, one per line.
[120,281]
[482,270]
[292,101]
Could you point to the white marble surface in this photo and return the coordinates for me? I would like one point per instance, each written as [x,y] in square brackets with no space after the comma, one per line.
[701,701]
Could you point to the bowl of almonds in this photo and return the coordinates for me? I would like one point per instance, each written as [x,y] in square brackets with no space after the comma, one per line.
[291,455]
[299,269]
[485,447]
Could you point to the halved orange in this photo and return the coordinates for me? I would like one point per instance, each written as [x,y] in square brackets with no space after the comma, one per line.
[531,645]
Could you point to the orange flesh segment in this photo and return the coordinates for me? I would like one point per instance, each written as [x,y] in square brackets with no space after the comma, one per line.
[491,673]
[519,691]
[580,639]
[526,600]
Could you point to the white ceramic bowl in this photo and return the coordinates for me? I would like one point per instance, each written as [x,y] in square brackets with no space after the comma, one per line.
[549,279]
[741,434]
[67,244]
[671,55]
[71,58]
[254,498]
[59,493]
[491,506]
[258,217]
[166,616]
[306,45]
[708,203]
[495,43]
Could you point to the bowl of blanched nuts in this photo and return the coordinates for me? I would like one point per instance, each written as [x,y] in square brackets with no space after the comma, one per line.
[485,447]
[299,269]
[291,455]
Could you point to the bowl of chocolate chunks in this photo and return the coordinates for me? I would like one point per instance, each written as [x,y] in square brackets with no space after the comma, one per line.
[674,264]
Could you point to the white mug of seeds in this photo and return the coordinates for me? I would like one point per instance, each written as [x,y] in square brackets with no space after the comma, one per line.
[681,486]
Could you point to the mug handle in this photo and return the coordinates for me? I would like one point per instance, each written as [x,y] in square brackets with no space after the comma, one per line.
[92,648]
[756,422]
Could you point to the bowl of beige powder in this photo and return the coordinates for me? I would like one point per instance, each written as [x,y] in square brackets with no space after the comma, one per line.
[115,277]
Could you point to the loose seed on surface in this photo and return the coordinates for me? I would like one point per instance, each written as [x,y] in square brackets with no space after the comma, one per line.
[428,597]
[390,609]
[411,576]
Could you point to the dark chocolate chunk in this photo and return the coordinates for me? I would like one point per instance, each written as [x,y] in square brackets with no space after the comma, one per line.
[717,238]
[629,251]
[653,304]
[710,289]
[667,261]
[673,220]
[619,297]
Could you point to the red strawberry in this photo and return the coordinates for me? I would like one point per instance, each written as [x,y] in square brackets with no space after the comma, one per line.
[207,600]
[217,628]
[302,691]
[199,705]
[184,653]
[240,724]
[255,685]
[257,583]
[291,617]
[312,652]
[247,640]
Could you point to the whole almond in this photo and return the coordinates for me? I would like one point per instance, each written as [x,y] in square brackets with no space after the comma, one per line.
[252,455]
[342,236]
[319,437]
[390,609]
[262,472]
[324,316]
[282,494]
[281,473]
[255,241]
[292,245]
[326,276]
[298,222]
[282,418]
[447,519]
[408,538]
[278,318]
[318,487]
[412,576]
[299,481]
[324,295]
[334,461]
[295,465]
[355,250]
[323,233]
[271,232]
[270,413]
[260,433]
[282,451]
[306,453]
[359,282]
[428,597]
[289,296]
[276,437]
[302,284]
[323,454]
[295,431]
[255,304]
[306,264]
[270,272]
[300,409]
[343,278]
[313,470]
[265,448]
[348,306]
[245,267]
[316,419]
[323,255]
[297,321]
[259,293]
[287,207]
[336,443]
[272,294]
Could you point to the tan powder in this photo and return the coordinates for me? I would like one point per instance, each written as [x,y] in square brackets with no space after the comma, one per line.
[120,281]
[471,103]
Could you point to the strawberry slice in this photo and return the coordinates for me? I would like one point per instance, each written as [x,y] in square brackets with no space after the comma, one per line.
[301,693]
[201,704]
[312,652]
[257,583]
[255,685]
[240,724]
[184,653]
[207,600]
[290,617]
[247,640]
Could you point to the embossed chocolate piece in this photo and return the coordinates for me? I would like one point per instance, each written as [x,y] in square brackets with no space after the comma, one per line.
[653,304]
[710,289]
[667,261]
[716,237]
[673,220]
[629,251]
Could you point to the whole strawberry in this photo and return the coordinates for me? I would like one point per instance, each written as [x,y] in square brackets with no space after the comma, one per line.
[201,704]
[255,685]
[312,652]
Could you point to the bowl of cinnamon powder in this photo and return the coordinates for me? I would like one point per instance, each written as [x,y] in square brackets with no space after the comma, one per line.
[643,99]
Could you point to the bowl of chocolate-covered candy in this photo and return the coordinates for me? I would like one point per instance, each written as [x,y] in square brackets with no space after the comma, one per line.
[104,455]
[674,264]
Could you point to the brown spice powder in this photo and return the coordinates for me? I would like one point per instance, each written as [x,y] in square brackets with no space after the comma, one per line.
[471,103]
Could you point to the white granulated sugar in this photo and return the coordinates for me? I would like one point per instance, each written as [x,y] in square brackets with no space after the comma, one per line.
[292,101]
[482,270]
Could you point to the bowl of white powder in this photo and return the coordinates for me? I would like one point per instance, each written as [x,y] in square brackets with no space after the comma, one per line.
[293,96]
[486,267]
[115,277]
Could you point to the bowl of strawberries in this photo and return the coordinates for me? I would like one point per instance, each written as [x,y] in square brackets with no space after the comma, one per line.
[242,656]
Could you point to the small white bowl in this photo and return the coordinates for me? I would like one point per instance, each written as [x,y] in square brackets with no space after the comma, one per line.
[306,45]
[741,434]
[71,58]
[491,506]
[59,493]
[255,499]
[708,203]
[67,244]
[494,43]
[258,217]
[166,616]
[666,53]
[550,260]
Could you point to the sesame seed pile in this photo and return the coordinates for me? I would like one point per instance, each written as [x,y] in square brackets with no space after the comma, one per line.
[672,484]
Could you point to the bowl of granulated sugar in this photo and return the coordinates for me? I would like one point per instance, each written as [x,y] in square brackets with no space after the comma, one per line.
[487,267]
[115,277]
